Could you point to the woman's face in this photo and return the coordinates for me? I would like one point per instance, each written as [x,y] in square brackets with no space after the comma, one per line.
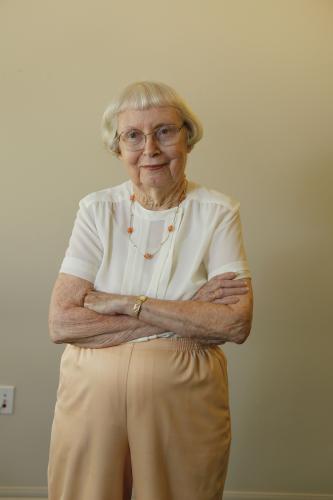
[154,166]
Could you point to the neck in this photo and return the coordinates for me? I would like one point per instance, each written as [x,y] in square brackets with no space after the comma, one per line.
[158,199]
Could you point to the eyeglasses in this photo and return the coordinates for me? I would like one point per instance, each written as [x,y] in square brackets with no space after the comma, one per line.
[165,135]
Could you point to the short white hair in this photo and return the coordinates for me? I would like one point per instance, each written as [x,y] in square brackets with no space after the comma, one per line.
[145,95]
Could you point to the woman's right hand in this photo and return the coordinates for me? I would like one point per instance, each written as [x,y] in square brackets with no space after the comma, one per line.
[222,289]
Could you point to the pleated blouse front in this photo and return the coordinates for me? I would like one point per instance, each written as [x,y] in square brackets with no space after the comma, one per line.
[206,241]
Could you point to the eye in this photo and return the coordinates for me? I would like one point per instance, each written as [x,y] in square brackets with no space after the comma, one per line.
[132,135]
[165,130]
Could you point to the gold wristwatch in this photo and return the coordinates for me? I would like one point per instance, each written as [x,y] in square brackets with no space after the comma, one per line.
[138,304]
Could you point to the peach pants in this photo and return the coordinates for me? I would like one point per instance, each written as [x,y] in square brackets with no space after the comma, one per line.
[151,415]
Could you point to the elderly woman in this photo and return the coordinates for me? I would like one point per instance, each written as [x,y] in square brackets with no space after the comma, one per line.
[154,279]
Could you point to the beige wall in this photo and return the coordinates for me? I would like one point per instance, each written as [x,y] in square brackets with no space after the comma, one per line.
[259,74]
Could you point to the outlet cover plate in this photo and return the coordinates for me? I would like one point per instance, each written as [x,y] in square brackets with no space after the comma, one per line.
[6,399]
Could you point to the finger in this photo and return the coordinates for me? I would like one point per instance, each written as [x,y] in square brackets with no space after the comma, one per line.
[233,283]
[216,280]
[220,293]
[234,291]
[227,276]
[227,280]
[227,300]
[222,283]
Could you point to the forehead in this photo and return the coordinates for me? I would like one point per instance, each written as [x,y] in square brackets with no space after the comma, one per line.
[148,118]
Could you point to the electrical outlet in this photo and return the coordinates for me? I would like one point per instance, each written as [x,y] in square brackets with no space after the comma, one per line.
[6,399]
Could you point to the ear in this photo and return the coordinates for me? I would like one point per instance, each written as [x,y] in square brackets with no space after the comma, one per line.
[118,153]
[189,147]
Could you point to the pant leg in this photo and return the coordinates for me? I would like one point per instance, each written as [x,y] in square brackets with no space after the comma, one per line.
[178,420]
[89,452]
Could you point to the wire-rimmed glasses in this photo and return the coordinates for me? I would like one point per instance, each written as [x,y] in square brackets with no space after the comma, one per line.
[165,135]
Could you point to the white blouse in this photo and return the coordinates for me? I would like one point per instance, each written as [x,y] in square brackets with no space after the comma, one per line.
[206,241]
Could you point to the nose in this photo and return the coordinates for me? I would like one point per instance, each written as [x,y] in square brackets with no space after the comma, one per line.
[151,146]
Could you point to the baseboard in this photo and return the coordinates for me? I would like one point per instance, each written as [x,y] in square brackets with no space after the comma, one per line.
[40,493]
[267,495]
[23,492]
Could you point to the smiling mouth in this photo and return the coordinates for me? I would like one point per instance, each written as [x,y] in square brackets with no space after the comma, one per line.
[159,165]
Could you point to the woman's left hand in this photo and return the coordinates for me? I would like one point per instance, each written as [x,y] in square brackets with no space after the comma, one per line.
[222,289]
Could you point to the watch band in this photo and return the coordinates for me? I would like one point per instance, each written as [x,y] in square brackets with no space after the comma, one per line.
[138,304]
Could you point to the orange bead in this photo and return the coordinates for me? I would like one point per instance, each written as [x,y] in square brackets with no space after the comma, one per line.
[171,228]
[130,230]
[132,197]
[148,256]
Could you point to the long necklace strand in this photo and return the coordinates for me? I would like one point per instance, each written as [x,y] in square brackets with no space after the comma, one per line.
[171,227]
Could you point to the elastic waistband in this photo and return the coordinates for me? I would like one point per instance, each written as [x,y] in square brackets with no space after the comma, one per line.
[173,343]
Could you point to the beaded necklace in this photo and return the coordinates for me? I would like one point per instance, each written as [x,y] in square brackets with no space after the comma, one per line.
[171,227]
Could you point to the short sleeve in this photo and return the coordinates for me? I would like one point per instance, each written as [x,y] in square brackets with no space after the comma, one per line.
[226,252]
[84,253]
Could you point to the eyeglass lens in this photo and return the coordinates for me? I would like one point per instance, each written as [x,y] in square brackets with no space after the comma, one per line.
[166,135]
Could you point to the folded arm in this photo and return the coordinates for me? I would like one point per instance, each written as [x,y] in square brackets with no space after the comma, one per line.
[94,326]
[211,322]
[205,317]
[70,322]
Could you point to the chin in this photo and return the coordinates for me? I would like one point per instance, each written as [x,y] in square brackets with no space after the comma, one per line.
[158,177]
[155,183]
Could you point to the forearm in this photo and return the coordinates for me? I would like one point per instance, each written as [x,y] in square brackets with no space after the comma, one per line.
[209,316]
[199,320]
[85,328]
[213,322]
[70,322]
